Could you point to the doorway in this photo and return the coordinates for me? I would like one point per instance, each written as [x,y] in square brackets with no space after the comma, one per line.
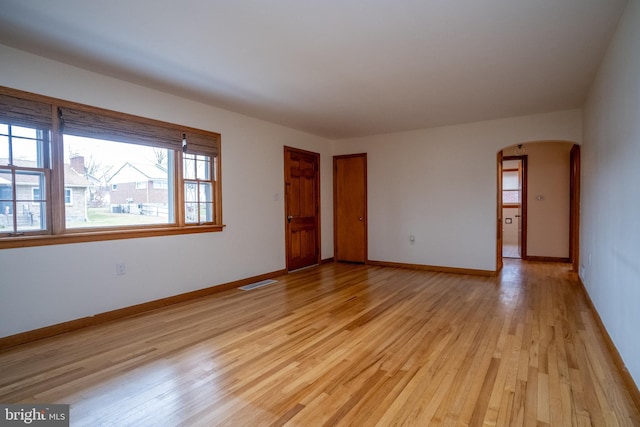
[549,216]
[350,207]
[302,207]
[514,206]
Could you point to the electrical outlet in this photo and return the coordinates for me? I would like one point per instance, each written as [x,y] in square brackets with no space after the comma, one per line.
[121,269]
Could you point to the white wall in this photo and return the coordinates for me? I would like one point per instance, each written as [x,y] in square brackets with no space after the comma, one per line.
[510,234]
[440,185]
[610,201]
[51,284]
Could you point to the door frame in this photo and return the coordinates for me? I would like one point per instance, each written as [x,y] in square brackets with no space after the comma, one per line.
[288,149]
[523,203]
[366,204]
[574,207]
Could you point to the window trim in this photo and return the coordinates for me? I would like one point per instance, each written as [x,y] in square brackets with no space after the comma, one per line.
[55,191]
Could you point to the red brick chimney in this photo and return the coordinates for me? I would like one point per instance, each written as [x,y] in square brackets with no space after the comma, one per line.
[77,164]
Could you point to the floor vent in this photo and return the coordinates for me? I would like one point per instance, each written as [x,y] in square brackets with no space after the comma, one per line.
[257,284]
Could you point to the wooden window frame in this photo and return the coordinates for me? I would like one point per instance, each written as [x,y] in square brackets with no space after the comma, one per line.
[197,181]
[57,233]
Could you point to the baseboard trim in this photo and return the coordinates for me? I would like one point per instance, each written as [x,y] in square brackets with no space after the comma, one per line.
[631,385]
[453,270]
[72,325]
[327,261]
[546,259]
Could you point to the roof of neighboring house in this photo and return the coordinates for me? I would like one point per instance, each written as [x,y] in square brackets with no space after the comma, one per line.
[134,172]
[73,178]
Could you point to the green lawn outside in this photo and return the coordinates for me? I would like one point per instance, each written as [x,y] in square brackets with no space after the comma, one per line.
[102,217]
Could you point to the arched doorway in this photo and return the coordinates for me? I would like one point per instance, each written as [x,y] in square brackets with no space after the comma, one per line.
[538,202]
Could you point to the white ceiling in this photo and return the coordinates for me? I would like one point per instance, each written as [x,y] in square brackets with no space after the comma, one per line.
[335,68]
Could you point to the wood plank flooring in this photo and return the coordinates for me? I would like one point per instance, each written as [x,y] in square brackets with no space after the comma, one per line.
[341,344]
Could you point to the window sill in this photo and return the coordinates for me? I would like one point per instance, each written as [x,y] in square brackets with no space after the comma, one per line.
[102,235]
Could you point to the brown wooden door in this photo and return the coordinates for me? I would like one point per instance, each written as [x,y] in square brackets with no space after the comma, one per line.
[302,207]
[350,207]
[499,220]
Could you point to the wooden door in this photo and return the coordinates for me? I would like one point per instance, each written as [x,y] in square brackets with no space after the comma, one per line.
[499,219]
[302,207]
[350,207]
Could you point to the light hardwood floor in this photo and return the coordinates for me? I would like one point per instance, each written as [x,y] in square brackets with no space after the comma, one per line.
[341,344]
[510,251]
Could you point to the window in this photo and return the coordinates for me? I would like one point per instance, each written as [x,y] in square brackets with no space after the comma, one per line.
[24,167]
[160,184]
[511,191]
[198,188]
[124,175]
[68,196]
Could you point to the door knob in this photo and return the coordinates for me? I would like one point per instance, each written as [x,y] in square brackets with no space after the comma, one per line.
[360,219]
[289,218]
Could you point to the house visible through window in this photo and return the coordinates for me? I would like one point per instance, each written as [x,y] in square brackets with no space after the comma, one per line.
[115,171]
[119,172]
[24,175]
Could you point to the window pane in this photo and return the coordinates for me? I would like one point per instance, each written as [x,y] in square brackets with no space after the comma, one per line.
[206,194]
[6,187]
[19,131]
[108,183]
[204,168]
[26,182]
[511,196]
[191,213]
[510,180]
[30,201]
[190,192]
[189,166]
[4,149]
[206,212]
[31,216]
[6,202]
[26,152]
[206,202]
